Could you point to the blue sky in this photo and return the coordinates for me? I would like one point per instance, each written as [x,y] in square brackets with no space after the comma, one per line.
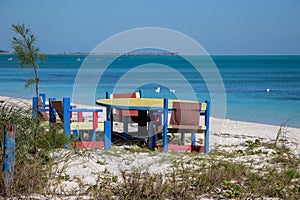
[223,27]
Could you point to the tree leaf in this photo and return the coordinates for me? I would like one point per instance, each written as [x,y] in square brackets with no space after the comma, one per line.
[29,82]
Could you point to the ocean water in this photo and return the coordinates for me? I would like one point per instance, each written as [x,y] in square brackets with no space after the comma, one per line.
[264,89]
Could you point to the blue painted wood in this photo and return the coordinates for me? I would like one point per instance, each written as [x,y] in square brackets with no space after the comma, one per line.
[43,109]
[9,152]
[34,108]
[85,110]
[107,94]
[52,111]
[207,114]
[108,114]
[141,93]
[107,135]
[152,136]
[67,120]
[165,134]
[75,134]
[125,128]
[194,138]
[94,136]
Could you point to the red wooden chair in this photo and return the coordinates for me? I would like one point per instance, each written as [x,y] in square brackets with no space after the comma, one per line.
[59,107]
[185,118]
[42,108]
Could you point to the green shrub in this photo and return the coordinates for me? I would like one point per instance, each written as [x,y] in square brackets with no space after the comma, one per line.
[32,150]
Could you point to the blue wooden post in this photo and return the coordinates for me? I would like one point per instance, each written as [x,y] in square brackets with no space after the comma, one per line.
[34,108]
[95,126]
[67,120]
[9,152]
[94,136]
[125,127]
[52,111]
[141,93]
[107,95]
[207,114]
[194,138]
[165,136]
[107,134]
[152,136]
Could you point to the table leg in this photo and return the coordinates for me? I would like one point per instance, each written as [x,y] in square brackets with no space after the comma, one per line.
[142,124]
[111,119]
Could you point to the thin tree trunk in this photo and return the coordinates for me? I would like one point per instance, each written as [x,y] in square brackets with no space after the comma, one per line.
[37,97]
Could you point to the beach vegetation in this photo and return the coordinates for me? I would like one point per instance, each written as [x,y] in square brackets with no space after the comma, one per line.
[27,167]
[28,53]
[252,170]
[100,162]
[212,176]
[32,160]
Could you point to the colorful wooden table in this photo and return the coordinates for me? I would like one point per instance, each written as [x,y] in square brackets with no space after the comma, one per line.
[137,103]
[143,105]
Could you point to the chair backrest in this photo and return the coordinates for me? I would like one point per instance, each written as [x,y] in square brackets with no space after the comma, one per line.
[58,105]
[41,104]
[126,95]
[186,114]
[125,113]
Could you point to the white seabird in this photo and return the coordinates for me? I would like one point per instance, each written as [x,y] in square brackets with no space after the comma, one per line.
[157,90]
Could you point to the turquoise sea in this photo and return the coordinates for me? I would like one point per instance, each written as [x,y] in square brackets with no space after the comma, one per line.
[264,89]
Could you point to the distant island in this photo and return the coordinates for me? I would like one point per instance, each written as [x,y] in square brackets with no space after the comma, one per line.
[143,52]
[119,54]
[152,54]
[3,52]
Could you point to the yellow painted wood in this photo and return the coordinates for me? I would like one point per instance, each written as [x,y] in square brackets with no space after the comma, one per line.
[85,126]
[201,128]
[161,128]
[203,106]
[142,102]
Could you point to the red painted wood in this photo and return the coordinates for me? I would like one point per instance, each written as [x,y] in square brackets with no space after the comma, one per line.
[80,117]
[125,95]
[88,144]
[183,148]
[95,120]
[126,113]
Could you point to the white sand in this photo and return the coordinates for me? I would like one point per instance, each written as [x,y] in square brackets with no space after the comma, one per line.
[86,167]
[234,132]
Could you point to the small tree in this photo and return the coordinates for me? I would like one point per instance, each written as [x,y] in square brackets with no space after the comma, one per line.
[28,54]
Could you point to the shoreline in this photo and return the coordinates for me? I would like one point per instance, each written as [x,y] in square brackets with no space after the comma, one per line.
[28,101]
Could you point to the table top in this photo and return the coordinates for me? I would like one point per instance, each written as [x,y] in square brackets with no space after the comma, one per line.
[137,103]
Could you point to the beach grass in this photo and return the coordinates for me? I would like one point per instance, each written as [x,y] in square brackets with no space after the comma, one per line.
[32,149]
[216,176]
